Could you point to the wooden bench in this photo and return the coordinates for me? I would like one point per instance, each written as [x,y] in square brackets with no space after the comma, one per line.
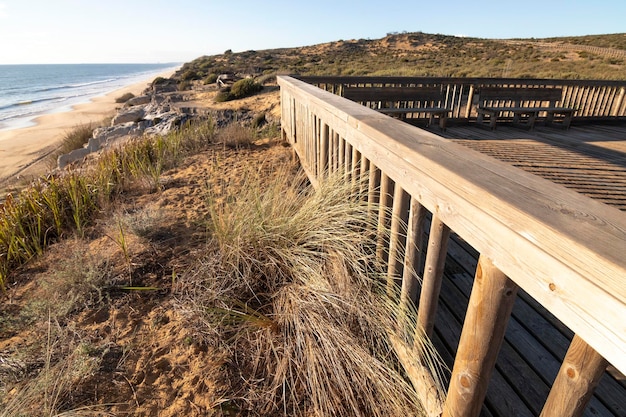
[401,101]
[524,103]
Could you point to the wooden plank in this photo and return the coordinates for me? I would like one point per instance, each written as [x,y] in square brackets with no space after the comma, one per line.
[375,94]
[501,399]
[397,239]
[490,305]
[433,273]
[577,378]
[487,94]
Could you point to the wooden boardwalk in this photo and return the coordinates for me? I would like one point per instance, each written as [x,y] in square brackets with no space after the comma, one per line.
[524,222]
[590,159]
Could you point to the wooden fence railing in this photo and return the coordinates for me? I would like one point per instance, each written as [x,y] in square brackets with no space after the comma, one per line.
[593,99]
[564,249]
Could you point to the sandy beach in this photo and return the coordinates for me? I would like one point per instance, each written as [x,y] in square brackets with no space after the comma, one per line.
[23,151]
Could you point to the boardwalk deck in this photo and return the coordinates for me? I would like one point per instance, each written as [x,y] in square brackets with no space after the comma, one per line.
[590,159]
[562,249]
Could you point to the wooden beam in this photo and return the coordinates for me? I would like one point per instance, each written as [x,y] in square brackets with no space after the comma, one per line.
[490,305]
[413,253]
[433,273]
[382,238]
[397,239]
[573,387]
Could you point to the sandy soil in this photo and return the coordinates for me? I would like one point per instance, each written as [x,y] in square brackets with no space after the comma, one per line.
[22,150]
[151,361]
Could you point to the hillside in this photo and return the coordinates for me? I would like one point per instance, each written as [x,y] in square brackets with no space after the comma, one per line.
[420,54]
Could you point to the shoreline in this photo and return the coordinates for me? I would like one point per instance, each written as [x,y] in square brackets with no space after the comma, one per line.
[23,150]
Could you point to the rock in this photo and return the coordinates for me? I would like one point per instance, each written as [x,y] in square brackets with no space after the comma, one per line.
[137,101]
[130,115]
[75,155]
[166,123]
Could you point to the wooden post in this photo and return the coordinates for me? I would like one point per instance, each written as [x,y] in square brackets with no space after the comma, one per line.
[413,253]
[373,188]
[573,387]
[323,168]
[382,242]
[433,274]
[490,305]
[470,99]
[619,102]
[363,185]
[397,240]
[347,162]
[356,169]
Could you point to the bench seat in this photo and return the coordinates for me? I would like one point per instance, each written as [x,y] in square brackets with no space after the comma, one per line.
[442,113]
[492,100]
[530,112]
[401,101]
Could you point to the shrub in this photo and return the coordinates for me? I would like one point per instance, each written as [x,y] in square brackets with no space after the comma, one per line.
[189,75]
[244,88]
[223,95]
[159,81]
[210,79]
[184,85]
[124,98]
[259,120]
[236,136]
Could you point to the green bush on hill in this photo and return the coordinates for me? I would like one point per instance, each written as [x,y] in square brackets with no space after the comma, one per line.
[244,88]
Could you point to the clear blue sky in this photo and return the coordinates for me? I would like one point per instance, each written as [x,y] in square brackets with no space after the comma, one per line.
[96,31]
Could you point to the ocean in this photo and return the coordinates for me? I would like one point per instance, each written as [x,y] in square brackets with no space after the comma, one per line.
[28,91]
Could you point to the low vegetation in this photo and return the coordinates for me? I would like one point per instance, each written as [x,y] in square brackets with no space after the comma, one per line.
[422,54]
[62,205]
[199,273]
[276,262]
[124,97]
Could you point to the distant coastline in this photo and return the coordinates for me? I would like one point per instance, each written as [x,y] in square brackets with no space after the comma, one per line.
[29,91]
[23,150]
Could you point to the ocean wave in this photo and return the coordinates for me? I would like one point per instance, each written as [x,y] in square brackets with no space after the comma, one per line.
[30,102]
[79,85]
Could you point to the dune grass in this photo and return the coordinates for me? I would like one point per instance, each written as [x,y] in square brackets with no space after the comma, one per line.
[294,282]
[289,285]
[65,204]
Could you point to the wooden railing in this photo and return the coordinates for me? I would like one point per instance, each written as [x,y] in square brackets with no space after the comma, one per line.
[593,100]
[564,249]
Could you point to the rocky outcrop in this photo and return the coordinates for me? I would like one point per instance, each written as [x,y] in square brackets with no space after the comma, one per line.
[151,113]
[134,114]
[136,101]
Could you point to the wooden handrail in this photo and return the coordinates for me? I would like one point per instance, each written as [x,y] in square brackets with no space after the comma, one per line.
[562,248]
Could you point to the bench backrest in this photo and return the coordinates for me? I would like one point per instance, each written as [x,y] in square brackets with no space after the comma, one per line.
[393,94]
[492,95]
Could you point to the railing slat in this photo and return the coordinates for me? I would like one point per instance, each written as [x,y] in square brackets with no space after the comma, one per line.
[490,305]
[580,372]
[397,239]
[433,273]
[413,253]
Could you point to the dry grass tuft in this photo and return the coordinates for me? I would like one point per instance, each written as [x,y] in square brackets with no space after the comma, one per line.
[293,282]
[236,136]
